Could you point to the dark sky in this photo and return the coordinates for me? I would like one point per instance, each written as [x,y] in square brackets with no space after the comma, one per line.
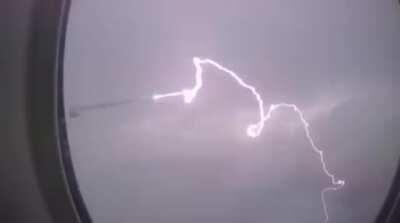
[169,162]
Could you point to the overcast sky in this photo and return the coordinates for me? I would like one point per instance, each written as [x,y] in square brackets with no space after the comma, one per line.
[170,162]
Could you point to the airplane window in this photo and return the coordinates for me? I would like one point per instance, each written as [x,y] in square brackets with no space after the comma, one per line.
[233,111]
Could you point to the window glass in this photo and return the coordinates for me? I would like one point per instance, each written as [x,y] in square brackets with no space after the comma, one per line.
[143,155]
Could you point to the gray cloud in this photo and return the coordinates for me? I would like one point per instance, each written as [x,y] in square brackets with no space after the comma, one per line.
[172,162]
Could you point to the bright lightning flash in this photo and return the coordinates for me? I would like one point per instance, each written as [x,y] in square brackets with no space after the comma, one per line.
[254,130]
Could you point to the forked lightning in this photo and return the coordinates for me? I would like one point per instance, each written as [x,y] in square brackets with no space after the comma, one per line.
[254,130]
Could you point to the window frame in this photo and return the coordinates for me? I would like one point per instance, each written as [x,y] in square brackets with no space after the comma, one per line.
[50,149]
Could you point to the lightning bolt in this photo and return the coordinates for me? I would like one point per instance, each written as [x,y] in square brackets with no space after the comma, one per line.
[254,130]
